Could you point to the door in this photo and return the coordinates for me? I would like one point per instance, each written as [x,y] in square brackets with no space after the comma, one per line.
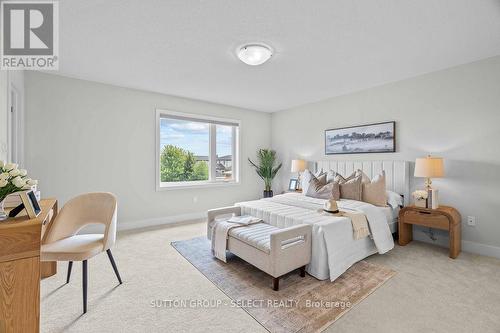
[13,126]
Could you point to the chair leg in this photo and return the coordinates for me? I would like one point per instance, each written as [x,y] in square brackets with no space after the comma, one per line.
[84,279]
[302,271]
[70,266]
[110,256]
[276,283]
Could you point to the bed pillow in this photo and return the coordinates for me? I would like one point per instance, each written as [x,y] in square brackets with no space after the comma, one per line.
[373,190]
[306,177]
[394,199]
[318,188]
[330,176]
[350,187]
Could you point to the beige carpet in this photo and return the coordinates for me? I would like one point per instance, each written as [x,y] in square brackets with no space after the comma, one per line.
[430,292]
[301,305]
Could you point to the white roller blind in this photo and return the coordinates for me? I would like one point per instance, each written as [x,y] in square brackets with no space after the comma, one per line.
[199,120]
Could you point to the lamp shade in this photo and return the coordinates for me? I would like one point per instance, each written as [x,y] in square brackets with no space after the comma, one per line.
[429,167]
[298,165]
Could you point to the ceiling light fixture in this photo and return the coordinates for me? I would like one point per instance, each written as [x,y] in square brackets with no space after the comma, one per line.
[255,54]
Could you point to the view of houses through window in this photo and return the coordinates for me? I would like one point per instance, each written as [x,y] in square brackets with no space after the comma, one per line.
[196,150]
[224,152]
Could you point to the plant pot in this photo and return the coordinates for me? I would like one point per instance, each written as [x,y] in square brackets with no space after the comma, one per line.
[268,194]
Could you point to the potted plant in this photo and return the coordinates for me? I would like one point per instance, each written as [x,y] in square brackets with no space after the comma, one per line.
[266,169]
[12,180]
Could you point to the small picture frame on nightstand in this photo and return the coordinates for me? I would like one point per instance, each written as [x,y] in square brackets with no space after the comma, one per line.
[293,185]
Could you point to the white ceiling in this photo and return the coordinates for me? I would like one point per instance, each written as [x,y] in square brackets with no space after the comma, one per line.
[323,48]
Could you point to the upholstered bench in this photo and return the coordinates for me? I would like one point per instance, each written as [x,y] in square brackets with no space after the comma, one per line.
[273,250]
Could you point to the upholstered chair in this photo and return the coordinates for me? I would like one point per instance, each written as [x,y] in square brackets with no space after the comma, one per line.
[63,243]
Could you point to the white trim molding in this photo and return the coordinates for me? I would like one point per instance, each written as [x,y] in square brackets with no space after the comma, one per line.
[152,222]
[158,221]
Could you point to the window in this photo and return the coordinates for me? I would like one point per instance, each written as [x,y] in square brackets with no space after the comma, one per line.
[195,150]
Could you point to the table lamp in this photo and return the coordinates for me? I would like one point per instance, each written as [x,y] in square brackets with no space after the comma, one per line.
[430,167]
[298,166]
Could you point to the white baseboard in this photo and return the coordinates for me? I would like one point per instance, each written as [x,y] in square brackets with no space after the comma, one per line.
[149,222]
[161,221]
[467,246]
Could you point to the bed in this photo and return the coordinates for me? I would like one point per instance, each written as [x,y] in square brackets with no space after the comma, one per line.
[333,248]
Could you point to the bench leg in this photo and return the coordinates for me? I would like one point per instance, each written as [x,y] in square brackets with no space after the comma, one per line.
[276,283]
[302,271]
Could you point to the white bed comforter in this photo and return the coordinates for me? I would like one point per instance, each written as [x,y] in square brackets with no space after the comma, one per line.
[333,248]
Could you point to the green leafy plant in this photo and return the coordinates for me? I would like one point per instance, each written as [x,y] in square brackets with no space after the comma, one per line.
[266,167]
[177,164]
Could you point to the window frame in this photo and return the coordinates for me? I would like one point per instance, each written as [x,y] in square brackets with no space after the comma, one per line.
[212,182]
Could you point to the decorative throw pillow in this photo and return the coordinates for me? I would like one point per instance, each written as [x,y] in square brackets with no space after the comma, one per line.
[350,187]
[318,188]
[306,177]
[330,176]
[374,190]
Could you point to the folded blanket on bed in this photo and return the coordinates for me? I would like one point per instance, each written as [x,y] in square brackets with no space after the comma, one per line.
[359,222]
[220,231]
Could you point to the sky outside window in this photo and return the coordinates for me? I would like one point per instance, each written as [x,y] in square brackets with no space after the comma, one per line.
[189,135]
[194,136]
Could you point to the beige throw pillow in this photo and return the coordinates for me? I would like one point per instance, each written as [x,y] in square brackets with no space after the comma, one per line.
[374,191]
[306,177]
[318,188]
[350,187]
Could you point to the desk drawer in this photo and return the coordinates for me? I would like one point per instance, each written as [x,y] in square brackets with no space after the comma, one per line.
[427,219]
[21,241]
[46,224]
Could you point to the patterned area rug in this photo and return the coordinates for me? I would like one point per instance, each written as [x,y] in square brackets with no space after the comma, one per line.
[301,305]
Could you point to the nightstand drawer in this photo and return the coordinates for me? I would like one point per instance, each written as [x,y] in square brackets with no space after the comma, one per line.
[427,219]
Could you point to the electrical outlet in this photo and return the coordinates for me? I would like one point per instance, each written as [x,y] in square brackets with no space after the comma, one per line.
[195,199]
[471,221]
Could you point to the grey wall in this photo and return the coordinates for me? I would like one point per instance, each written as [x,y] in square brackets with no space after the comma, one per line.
[453,113]
[83,136]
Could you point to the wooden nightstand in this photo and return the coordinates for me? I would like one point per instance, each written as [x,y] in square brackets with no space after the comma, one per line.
[444,218]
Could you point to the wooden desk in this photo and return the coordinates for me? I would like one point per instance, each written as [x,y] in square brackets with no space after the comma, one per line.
[444,218]
[20,269]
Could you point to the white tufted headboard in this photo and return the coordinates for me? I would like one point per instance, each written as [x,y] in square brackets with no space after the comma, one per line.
[397,172]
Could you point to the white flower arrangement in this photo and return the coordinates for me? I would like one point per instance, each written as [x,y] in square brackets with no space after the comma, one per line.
[13,179]
[420,195]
